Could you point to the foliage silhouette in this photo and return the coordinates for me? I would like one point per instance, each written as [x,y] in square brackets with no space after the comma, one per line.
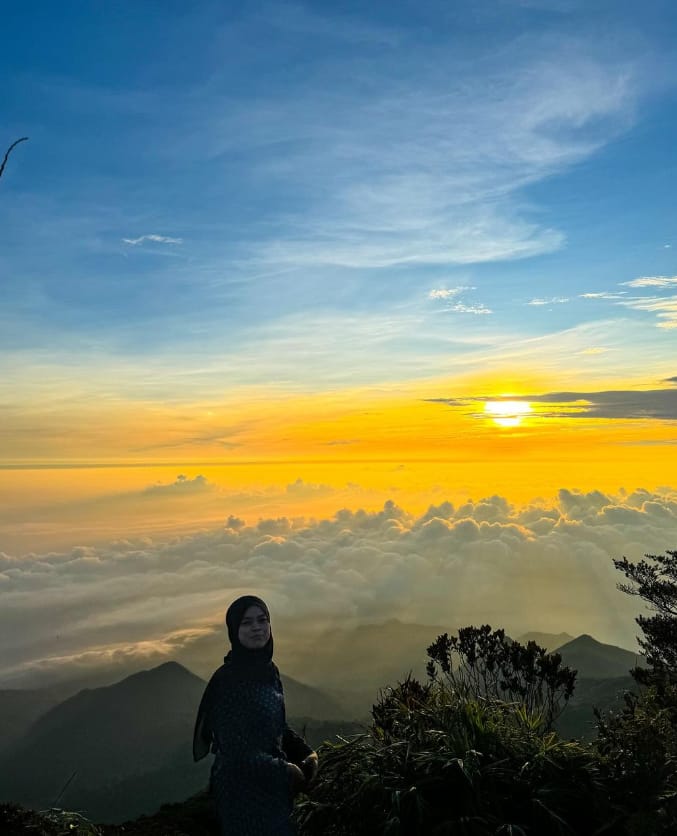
[638,744]
[481,662]
[654,580]
[452,756]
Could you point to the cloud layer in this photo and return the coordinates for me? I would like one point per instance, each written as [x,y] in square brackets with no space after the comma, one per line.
[545,565]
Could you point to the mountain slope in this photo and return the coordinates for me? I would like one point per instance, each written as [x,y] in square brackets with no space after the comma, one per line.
[19,709]
[127,745]
[550,641]
[365,657]
[595,660]
[138,727]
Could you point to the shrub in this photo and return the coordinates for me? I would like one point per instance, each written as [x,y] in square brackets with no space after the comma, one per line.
[482,662]
[439,763]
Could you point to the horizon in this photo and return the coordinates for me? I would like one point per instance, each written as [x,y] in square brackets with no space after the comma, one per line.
[368,310]
[105,678]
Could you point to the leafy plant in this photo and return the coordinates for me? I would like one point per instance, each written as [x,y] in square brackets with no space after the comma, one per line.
[654,579]
[437,762]
[482,662]
[638,744]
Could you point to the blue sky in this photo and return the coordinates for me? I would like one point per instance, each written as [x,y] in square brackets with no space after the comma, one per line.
[227,194]
[316,242]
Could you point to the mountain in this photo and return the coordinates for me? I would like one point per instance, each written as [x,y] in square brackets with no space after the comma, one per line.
[550,641]
[305,701]
[578,720]
[18,711]
[362,658]
[595,660]
[127,746]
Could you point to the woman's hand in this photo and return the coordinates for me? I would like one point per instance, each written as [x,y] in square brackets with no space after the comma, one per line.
[309,767]
[296,778]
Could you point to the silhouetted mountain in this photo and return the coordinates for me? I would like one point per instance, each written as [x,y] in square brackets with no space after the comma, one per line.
[305,701]
[363,658]
[139,728]
[128,745]
[18,711]
[578,720]
[594,660]
[550,641]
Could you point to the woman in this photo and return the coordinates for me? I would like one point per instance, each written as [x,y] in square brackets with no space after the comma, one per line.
[259,763]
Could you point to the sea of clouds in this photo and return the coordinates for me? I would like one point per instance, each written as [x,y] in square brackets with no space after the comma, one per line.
[544,565]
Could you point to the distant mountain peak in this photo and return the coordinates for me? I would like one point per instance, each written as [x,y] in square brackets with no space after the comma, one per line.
[596,660]
[166,671]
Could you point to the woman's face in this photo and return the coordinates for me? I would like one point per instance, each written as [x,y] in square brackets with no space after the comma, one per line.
[254,630]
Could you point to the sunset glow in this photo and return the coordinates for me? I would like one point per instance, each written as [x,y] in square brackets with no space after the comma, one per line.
[371,308]
[507,413]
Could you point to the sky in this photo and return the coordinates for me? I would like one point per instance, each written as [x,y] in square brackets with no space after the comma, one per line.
[372,309]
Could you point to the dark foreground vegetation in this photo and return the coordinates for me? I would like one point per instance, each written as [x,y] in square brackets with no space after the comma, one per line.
[472,751]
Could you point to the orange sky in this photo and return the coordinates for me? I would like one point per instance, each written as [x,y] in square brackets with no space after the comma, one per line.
[349,448]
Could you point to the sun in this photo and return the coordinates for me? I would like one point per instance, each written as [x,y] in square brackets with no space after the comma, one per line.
[507,413]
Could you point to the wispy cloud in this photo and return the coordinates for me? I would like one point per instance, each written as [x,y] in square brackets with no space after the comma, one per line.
[452,293]
[155,239]
[652,281]
[554,300]
[417,169]
[447,292]
[302,20]
[479,310]
[655,404]
[665,309]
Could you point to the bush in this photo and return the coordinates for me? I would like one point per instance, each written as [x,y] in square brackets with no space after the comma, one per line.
[482,662]
[439,763]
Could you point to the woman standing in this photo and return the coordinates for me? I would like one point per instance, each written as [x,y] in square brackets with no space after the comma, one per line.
[259,763]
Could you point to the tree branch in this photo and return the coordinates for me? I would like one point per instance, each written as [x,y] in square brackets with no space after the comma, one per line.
[9,151]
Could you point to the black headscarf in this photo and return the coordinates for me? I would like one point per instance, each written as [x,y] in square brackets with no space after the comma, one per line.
[240,663]
[254,665]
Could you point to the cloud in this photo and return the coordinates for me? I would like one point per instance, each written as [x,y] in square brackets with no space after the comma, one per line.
[555,300]
[665,309]
[155,239]
[425,165]
[220,438]
[654,404]
[603,295]
[301,20]
[299,488]
[479,310]
[182,486]
[542,565]
[652,281]
[447,293]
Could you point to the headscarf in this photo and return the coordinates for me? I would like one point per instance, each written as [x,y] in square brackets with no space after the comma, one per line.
[254,665]
[240,663]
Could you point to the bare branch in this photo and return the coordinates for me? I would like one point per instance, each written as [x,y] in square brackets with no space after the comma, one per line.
[9,151]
